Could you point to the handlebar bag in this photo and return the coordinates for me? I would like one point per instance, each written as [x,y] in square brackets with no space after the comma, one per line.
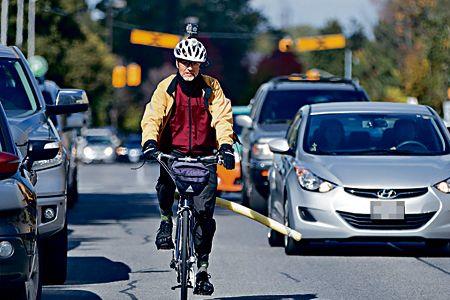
[190,178]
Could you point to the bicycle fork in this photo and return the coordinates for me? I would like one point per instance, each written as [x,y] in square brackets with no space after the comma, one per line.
[184,205]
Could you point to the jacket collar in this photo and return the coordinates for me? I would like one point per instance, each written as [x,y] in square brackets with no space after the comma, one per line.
[207,91]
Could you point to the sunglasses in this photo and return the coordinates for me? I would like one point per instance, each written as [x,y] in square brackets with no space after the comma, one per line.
[188,63]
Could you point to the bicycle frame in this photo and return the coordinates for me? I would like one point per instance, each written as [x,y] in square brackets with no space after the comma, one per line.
[184,204]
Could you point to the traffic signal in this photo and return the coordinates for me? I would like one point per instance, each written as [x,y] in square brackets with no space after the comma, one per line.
[133,74]
[119,76]
[285,44]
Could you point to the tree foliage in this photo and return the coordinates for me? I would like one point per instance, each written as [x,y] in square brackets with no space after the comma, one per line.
[77,56]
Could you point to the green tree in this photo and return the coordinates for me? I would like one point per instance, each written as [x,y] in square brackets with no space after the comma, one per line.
[77,55]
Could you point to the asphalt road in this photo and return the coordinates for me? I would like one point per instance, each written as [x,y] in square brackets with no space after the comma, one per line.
[112,254]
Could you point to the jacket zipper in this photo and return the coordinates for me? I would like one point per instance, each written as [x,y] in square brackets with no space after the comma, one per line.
[190,125]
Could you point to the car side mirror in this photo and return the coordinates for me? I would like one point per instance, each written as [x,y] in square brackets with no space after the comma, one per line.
[69,101]
[42,150]
[280,146]
[244,121]
[9,164]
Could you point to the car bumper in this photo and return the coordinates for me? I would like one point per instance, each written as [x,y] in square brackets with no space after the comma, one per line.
[51,193]
[15,268]
[340,215]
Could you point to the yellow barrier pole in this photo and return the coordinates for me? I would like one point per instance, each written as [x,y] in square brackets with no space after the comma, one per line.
[251,214]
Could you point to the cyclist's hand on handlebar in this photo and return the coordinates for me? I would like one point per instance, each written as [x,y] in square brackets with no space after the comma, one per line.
[150,149]
[227,153]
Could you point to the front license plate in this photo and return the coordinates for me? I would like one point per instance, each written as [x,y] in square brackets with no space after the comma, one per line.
[387,210]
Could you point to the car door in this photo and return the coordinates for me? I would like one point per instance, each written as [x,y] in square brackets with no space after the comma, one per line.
[282,165]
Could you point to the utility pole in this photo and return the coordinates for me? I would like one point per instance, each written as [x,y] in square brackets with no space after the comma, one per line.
[19,27]
[348,63]
[109,24]
[4,22]
[31,27]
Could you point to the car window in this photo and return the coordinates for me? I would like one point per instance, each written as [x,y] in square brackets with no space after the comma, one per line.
[16,94]
[374,134]
[280,106]
[293,132]
[103,140]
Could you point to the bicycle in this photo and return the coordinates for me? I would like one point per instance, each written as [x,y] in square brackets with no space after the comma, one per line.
[190,176]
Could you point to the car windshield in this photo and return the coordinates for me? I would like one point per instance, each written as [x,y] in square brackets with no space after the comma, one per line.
[102,140]
[280,106]
[16,94]
[374,134]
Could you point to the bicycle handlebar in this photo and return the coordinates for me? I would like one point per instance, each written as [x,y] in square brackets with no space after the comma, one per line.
[213,159]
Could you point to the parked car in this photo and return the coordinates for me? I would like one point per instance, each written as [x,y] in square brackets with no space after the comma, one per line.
[68,127]
[231,180]
[98,145]
[273,109]
[29,117]
[130,150]
[360,171]
[20,276]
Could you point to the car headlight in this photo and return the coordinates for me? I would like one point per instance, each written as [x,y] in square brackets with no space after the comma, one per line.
[261,150]
[443,186]
[49,163]
[108,151]
[309,181]
[88,152]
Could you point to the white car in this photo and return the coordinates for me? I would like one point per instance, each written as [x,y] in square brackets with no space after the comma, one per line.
[362,170]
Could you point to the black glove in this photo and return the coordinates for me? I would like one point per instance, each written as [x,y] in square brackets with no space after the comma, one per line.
[227,153]
[150,149]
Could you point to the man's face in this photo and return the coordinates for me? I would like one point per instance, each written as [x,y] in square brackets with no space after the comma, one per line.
[188,69]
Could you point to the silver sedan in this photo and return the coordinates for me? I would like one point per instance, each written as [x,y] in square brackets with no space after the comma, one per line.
[362,171]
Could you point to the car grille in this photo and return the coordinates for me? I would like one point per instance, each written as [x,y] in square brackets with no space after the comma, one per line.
[400,193]
[363,221]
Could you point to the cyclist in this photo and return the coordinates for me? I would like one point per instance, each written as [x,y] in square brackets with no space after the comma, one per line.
[189,115]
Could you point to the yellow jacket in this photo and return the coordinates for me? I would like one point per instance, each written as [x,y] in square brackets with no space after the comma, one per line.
[158,110]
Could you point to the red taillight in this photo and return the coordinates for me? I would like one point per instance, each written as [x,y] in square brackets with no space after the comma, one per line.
[9,163]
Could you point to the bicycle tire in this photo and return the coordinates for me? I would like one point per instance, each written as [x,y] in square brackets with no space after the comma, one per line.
[184,254]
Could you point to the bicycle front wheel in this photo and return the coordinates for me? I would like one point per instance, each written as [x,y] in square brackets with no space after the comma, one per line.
[184,253]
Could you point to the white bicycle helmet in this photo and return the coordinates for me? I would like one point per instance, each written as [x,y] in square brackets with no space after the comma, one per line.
[190,49]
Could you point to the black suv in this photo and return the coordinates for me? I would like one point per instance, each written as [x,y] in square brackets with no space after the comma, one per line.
[273,108]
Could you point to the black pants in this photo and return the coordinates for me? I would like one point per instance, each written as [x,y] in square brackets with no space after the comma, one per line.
[204,204]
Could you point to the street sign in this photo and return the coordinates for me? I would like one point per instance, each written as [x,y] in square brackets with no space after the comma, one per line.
[38,65]
[321,42]
[154,39]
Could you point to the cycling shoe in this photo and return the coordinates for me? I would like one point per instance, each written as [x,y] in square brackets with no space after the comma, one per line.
[202,284]
[164,236]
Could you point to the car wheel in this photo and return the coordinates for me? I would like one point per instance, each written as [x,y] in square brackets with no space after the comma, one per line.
[275,238]
[436,244]
[257,202]
[244,194]
[28,290]
[291,246]
[54,257]
[72,191]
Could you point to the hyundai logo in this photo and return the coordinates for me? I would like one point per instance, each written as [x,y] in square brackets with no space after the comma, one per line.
[386,194]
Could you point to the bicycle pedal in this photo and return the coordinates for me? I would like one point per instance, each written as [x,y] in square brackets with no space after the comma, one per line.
[173,264]
[179,287]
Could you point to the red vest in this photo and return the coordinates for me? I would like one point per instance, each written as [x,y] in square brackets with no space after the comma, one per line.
[189,130]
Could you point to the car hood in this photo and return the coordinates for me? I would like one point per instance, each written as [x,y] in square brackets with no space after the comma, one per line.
[380,172]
